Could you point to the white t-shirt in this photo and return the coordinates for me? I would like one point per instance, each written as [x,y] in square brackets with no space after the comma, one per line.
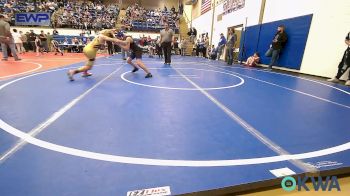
[17,38]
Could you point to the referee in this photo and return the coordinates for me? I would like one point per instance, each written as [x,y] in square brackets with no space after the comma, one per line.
[166,41]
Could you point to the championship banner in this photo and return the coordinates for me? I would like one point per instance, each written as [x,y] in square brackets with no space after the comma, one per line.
[33,18]
[233,5]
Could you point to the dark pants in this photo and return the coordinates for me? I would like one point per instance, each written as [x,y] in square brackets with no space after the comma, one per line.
[220,50]
[45,46]
[110,48]
[344,64]
[167,51]
[342,69]
[26,46]
[8,49]
[9,52]
[204,51]
[116,49]
[229,53]
[274,54]
[32,44]
[159,51]
[197,51]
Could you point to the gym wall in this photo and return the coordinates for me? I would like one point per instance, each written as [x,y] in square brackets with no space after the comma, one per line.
[324,45]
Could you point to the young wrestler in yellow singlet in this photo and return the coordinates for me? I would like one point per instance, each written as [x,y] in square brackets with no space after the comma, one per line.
[90,52]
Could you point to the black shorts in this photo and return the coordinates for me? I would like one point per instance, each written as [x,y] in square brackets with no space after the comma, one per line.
[137,54]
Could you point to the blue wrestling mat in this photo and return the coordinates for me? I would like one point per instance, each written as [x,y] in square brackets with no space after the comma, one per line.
[197,126]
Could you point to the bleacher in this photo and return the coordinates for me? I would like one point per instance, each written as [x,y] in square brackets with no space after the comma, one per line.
[60,13]
[154,26]
[97,18]
[60,38]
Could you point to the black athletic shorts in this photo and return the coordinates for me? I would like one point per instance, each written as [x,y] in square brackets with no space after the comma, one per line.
[136,54]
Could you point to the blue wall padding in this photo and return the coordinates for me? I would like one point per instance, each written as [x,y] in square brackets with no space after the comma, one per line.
[251,38]
[259,37]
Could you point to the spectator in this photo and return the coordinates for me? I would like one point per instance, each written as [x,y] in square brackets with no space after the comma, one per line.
[213,53]
[75,40]
[192,33]
[24,41]
[110,48]
[176,47]
[75,43]
[56,47]
[18,41]
[49,39]
[55,32]
[344,64]
[230,46]
[43,39]
[6,40]
[151,49]
[206,46]
[38,45]
[31,40]
[199,46]
[221,45]
[159,48]
[138,18]
[278,43]
[182,47]
[65,41]
[252,61]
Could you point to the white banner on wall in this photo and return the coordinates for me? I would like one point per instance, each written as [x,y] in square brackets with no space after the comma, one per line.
[232,5]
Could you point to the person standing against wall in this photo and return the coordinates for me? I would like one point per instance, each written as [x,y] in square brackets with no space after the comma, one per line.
[6,39]
[344,64]
[278,43]
[230,46]
[221,45]
[167,41]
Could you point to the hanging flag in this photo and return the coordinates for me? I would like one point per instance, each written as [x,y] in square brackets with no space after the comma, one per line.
[206,6]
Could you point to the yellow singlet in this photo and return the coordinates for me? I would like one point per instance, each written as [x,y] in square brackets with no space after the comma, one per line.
[91,49]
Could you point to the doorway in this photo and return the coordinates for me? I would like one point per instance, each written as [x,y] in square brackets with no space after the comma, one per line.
[238,31]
